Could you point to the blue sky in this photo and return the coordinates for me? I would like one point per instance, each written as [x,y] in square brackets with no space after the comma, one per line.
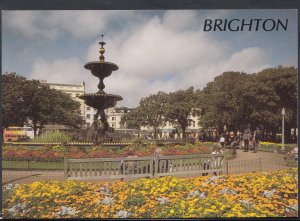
[155,50]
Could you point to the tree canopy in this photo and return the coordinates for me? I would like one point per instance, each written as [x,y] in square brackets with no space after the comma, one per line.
[179,108]
[149,113]
[233,101]
[238,100]
[223,102]
[30,102]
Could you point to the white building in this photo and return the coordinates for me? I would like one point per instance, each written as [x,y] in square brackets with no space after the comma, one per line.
[73,90]
[170,131]
[114,116]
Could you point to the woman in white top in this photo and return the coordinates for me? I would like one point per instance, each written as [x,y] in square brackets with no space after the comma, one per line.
[222,141]
[217,161]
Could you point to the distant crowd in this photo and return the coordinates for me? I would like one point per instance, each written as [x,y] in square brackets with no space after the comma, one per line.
[246,140]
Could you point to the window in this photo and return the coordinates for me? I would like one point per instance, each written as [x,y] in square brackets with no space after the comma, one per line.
[113,118]
[88,124]
[193,123]
[88,108]
[88,116]
[113,125]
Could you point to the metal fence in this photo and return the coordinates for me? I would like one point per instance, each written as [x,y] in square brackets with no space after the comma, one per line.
[187,166]
[108,168]
[136,167]
[197,164]
[32,165]
[252,165]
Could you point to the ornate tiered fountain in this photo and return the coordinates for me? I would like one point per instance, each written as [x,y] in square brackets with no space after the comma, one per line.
[100,100]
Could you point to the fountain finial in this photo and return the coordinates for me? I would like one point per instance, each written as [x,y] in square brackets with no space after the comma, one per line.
[102,50]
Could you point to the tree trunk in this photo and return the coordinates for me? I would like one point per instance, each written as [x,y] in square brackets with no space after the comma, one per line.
[294,135]
[183,133]
[34,130]
[155,133]
[273,138]
[40,130]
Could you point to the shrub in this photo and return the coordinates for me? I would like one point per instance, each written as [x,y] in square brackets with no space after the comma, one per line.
[53,137]
[191,140]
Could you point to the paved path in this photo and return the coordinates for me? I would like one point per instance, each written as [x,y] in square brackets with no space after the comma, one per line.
[16,176]
[22,176]
[241,155]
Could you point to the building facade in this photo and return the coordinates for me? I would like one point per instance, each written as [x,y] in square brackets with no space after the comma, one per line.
[74,91]
[170,131]
[114,116]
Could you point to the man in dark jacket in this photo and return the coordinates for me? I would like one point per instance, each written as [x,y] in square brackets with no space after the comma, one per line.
[246,139]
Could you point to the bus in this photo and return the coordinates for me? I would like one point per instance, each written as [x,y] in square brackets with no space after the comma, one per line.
[17,133]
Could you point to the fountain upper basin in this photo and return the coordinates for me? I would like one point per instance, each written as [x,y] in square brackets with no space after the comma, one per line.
[101,69]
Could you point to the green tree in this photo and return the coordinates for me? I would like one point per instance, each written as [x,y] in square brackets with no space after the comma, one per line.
[13,100]
[180,107]
[270,91]
[224,102]
[50,106]
[150,112]
[132,119]
[30,102]
[238,100]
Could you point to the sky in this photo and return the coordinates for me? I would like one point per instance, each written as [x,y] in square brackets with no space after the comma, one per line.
[156,50]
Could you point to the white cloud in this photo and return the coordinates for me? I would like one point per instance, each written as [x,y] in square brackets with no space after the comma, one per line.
[25,22]
[249,60]
[154,53]
[181,20]
[158,56]
[53,24]
[60,71]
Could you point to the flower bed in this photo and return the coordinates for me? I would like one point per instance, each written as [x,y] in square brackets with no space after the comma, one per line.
[275,147]
[259,194]
[57,153]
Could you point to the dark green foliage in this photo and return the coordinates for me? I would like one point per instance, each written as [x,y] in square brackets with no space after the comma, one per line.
[13,100]
[150,112]
[239,100]
[30,102]
[180,106]
[232,102]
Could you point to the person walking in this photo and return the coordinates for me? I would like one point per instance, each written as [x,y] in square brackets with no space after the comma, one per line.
[246,139]
[259,137]
[222,141]
[216,161]
[256,140]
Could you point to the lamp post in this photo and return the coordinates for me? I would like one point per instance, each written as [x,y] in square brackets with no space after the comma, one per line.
[282,136]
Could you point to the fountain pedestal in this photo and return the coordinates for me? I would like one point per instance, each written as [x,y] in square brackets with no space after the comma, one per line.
[100,100]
